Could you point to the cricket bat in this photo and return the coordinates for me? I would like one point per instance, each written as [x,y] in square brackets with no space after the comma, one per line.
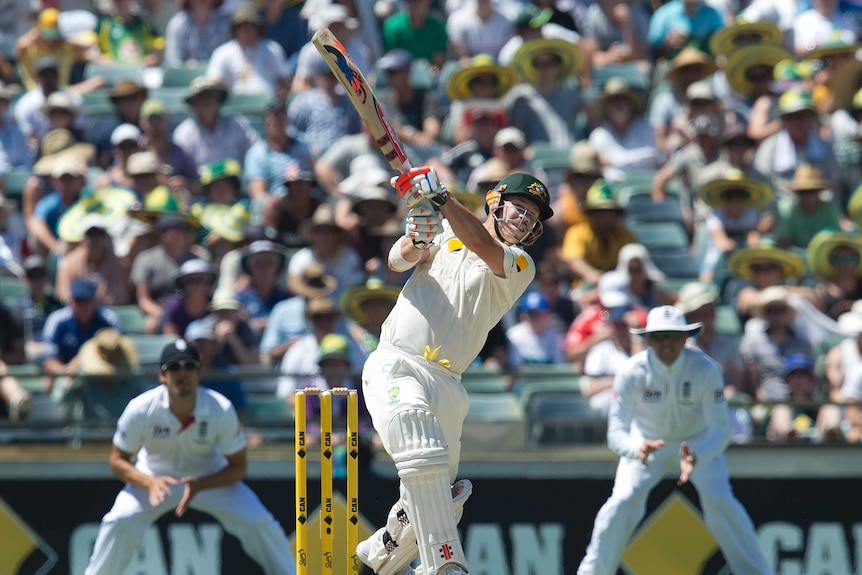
[362,98]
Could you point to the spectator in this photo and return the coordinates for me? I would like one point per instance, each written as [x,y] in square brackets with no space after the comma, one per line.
[545,106]
[69,327]
[478,29]
[681,23]
[481,124]
[592,247]
[815,26]
[154,270]
[156,125]
[225,225]
[843,371]
[549,282]
[63,114]
[236,340]
[615,32]
[202,334]
[624,140]
[68,181]
[789,422]
[46,39]
[476,87]
[194,283]
[28,108]
[125,141]
[644,277]
[263,261]
[736,151]
[36,305]
[510,152]
[835,259]
[805,214]
[195,30]
[367,307]
[127,97]
[369,209]
[583,171]
[322,114]
[14,151]
[94,259]
[534,340]
[16,401]
[295,205]
[148,174]
[210,135]
[221,183]
[288,318]
[125,36]
[105,381]
[735,220]
[419,32]
[250,63]
[700,103]
[530,23]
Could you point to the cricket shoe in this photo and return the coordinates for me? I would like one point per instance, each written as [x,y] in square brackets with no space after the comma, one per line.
[362,553]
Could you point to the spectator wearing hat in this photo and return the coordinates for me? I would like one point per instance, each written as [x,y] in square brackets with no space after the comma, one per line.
[250,63]
[736,219]
[322,114]
[221,182]
[127,97]
[236,339]
[69,327]
[419,32]
[68,181]
[36,305]
[154,270]
[14,151]
[583,171]
[592,247]
[736,151]
[288,318]
[805,214]
[478,29]
[367,210]
[105,381]
[202,334]
[474,89]
[156,126]
[210,135]
[63,113]
[286,212]
[624,140]
[328,244]
[795,420]
[534,340]
[46,39]
[125,36]
[814,27]
[834,257]
[615,32]
[532,22]
[546,104]
[367,307]
[644,277]
[195,30]
[681,23]
[843,369]
[414,112]
[15,401]
[685,127]
[263,261]
[195,283]
[148,176]
[28,108]
[125,141]
[93,258]
[798,142]
[268,159]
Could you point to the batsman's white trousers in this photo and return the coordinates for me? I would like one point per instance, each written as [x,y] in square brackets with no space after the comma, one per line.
[235,506]
[722,512]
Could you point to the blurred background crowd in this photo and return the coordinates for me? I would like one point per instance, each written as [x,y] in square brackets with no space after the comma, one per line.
[192,168]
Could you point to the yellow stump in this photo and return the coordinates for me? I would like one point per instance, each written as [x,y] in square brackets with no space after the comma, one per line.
[327,534]
[301,487]
[352,480]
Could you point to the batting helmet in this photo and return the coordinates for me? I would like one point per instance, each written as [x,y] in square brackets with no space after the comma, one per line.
[520,185]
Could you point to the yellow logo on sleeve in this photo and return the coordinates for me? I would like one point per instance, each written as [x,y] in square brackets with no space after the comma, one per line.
[522,262]
[455,245]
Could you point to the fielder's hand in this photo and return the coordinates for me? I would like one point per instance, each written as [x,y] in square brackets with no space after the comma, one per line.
[421,226]
[420,184]
[159,489]
[687,459]
[648,448]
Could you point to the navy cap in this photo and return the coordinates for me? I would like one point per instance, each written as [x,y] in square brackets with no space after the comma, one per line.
[83,289]
[796,362]
[177,350]
[397,59]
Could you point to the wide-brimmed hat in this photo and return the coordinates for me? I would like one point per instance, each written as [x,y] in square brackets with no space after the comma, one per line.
[744,59]
[263,247]
[795,100]
[143,163]
[323,217]
[601,196]
[845,85]
[571,57]
[667,318]
[161,208]
[224,299]
[109,204]
[321,305]
[690,56]
[741,261]
[365,171]
[617,86]
[194,267]
[819,252]
[531,16]
[126,88]
[312,282]
[458,87]
[635,251]
[248,13]
[57,143]
[227,222]
[108,352]
[376,194]
[772,295]
[584,159]
[714,193]
[743,34]
[59,100]
[203,84]
[354,299]
[694,295]
[850,322]
[808,177]
[837,43]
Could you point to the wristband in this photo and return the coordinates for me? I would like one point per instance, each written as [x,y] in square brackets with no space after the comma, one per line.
[397,261]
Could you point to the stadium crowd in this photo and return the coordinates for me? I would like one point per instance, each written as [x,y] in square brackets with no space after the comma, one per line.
[211,180]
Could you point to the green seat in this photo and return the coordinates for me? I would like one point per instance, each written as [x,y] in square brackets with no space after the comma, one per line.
[485,381]
[14,182]
[12,288]
[268,408]
[132,318]
[113,73]
[727,320]
[181,76]
[494,422]
[150,347]
[97,102]
[659,235]
[173,98]
[247,103]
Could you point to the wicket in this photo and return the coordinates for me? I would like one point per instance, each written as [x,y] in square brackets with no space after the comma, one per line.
[327,532]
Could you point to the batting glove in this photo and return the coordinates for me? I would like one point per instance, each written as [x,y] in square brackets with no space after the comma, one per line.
[420,184]
[422,226]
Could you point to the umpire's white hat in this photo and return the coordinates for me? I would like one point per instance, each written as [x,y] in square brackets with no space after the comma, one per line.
[667,318]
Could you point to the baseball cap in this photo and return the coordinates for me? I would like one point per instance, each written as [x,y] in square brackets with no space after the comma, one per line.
[510,135]
[178,350]
[153,107]
[534,302]
[796,362]
[83,289]
[613,290]
[397,59]
[125,132]
[334,346]
[200,329]
[34,266]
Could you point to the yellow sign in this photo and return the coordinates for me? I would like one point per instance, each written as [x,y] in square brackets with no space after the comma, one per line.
[674,540]
[20,546]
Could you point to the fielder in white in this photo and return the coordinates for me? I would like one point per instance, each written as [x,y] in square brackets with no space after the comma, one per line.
[467,275]
[669,411]
[191,453]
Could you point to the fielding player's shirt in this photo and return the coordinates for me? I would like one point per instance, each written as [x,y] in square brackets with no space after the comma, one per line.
[167,446]
[679,402]
[452,301]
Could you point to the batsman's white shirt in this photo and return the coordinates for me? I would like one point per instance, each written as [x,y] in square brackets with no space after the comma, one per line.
[679,402]
[166,446]
[452,301]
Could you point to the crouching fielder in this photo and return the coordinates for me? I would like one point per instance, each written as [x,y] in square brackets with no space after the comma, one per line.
[668,411]
[467,275]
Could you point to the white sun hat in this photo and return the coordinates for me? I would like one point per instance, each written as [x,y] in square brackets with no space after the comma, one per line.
[667,318]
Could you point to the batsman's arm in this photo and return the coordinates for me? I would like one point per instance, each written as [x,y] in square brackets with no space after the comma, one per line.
[475,236]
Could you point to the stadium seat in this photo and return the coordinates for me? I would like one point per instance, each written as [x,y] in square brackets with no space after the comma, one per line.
[659,235]
[181,76]
[14,182]
[113,73]
[173,98]
[132,318]
[247,103]
[727,320]
[478,380]
[12,289]
[628,71]
[495,422]
[97,102]
[150,347]
[268,408]
[553,160]
[643,209]
[676,263]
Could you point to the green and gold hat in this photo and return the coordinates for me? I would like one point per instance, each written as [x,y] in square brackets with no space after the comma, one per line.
[741,261]
[158,202]
[744,59]
[571,57]
[354,299]
[741,34]
[226,168]
[110,204]
[795,100]
[822,260]
[227,222]
[458,87]
[601,196]
[715,192]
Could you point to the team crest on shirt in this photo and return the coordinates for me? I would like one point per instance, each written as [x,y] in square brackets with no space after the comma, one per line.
[652,395]
[161,431]
[718,395]
[203,429]
[686,393]
[393,395]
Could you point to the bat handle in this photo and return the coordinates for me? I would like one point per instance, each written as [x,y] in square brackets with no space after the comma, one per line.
[424,204]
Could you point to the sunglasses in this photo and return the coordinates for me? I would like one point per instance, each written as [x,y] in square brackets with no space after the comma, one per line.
[844,260]
[188,364]
[775,309]
[663,335]
[764,268]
